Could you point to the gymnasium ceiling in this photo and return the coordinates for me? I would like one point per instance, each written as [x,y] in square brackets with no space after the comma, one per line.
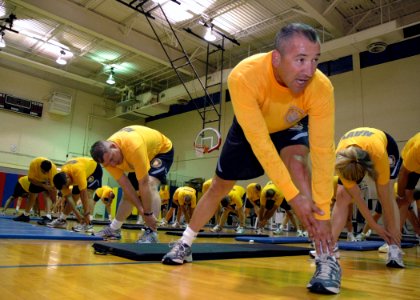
[97,35]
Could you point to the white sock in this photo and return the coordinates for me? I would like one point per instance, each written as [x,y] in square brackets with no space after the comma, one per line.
[188,236]
[26,214]
[17,208]
[90,217]
[63,216]
[49,216]
[115,224]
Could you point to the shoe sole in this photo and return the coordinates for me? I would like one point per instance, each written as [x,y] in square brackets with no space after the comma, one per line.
[168,261]
[318,288]
[395,264]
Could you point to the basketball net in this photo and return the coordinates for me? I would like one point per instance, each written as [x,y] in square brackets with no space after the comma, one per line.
[206,141]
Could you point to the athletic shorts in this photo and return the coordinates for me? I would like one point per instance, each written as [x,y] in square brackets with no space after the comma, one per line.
[269,204]
[36,189]
[285,205]
[394,156]
[159,168]
[248,203]
[19,191]
[237,161]
[413,179]
[378,208]
[94,181]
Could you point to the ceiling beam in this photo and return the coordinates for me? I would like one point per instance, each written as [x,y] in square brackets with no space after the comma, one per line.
[96,25]
[330,21]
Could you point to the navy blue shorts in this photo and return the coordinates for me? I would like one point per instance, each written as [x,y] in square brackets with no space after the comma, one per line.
[393,156]
[94,181]
[237,161]
[413,178]
[36,189]
[159,168]
[19,191]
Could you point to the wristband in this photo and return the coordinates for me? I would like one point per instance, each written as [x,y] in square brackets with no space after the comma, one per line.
[148,214]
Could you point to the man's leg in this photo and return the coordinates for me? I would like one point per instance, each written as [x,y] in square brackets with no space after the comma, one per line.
[206,207]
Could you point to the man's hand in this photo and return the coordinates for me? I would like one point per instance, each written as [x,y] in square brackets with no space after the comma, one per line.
[150,221]
[319,231]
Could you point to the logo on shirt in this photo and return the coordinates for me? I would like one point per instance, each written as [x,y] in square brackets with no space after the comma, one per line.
[156,163]
[294,114]
[90,179]
[392,161]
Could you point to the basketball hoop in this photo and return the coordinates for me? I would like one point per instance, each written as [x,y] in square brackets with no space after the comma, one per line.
[206,141]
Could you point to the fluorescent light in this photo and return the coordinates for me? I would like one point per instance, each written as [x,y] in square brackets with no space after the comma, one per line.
[209,36]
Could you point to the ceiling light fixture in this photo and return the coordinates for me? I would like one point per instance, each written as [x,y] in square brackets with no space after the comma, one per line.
[60,60]
[209,36]
[2,41]
[111,79]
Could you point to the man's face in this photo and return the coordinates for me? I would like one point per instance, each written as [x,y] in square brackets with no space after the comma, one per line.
[296,66]
[113,156]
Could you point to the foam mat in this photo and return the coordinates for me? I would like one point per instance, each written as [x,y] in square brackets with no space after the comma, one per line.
[219,234]
[10,229]
[201,251]
[367,245]
[274,240]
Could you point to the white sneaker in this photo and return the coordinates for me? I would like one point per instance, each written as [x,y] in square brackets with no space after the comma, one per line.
[395,257]
[350,237]
[216,228]
[163,223]
[57,223]
[148,237]
[240,229]
[176,225]
[384,248]
[278,231]
[299,233]
[360,237]
[259,231]
[83,228]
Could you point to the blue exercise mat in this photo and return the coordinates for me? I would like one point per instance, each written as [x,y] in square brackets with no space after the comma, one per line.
[274,240]
[8,217]
[367,245]
[10,229]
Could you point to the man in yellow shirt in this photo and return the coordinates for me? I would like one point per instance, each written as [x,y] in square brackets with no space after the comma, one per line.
[185,198]
[21,191]
[146,155]
[271,198]
[79,176]
[252,199]
[40,175]
[409,176]
[232,203]
[274,96]
[106,195]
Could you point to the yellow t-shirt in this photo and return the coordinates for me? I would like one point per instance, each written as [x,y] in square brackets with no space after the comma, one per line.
[236,194]
[262,106]
[278,196]
[36,173]
[206,185]
[183,191]
[79,169]
[104,192]
[24,183]
[411,154]
[139,145]
[374,142]
[164,193]
[252,194]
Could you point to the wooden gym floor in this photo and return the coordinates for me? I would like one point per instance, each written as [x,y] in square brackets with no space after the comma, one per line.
[47,269]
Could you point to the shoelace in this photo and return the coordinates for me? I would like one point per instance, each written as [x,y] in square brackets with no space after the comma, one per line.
[177,247]
[326,269]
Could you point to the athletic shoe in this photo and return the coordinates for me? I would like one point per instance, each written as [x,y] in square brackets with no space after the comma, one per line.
[240,229]
[259,231]
[327,277]
[83,228]
[278,231]
[22,218]
[107,233]
[44,221]
[299,233]
[216,228]
[176,225]
[360,237]
[336,253]
[384,248]
[149,237]
[395,257]
[305,233]
[58,223]
[163,223]
[179,254]
[350,237]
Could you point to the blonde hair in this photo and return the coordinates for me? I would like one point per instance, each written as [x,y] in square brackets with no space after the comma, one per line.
[353,163]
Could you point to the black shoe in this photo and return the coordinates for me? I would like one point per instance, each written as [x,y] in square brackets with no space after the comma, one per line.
[22,218]
[44,220]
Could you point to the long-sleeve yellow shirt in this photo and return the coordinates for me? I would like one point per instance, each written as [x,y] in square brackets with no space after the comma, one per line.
[263,106]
